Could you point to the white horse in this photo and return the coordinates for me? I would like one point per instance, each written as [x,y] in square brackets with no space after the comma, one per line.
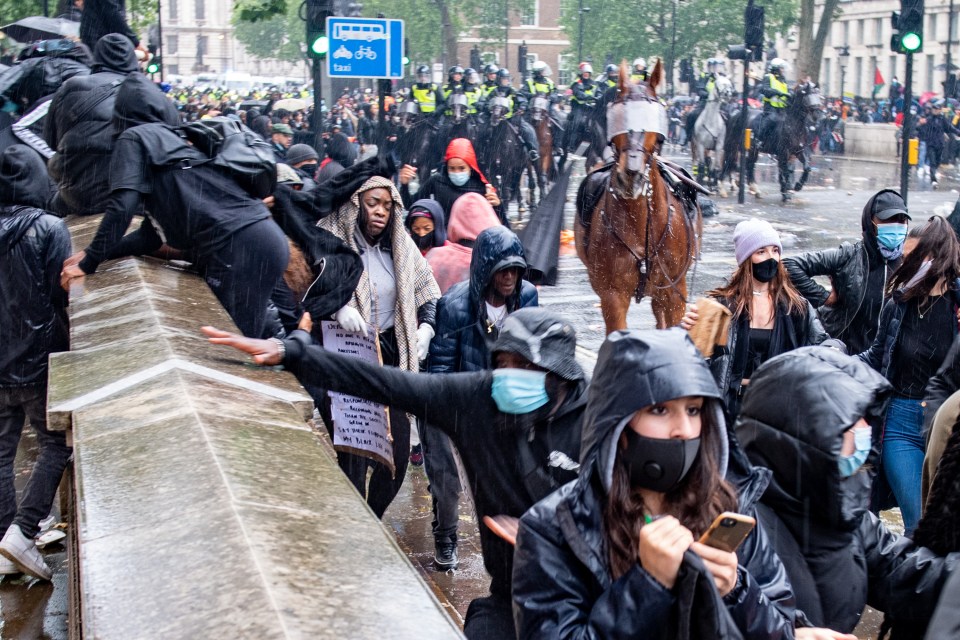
[709,132]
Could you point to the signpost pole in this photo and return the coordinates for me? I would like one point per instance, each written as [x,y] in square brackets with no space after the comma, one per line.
[317,124]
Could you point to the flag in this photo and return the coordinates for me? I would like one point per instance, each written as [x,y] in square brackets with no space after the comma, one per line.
[877,81]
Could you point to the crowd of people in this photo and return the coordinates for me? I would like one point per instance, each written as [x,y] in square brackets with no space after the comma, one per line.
[596,495]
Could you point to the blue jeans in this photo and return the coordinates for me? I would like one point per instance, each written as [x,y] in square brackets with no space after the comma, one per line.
[15,405]
[903,451]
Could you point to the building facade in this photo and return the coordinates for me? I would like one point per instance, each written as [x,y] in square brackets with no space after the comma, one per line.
[198,39]
[539,28]
[864,27]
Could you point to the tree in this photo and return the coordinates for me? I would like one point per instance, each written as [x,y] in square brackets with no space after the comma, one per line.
[809,43]
[13,10]
[704,26]
[272,36]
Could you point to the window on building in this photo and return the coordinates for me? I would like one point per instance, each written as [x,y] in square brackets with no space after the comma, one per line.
[930,65]
[490,57]
[173,69]
[860,35]
[846,33]
[172,45]
[529,13]
[826,77]
[172,8]
[952,34]
[891,69]
[932,27]
[201,9]
[878,31]
[855,79]
[565,69]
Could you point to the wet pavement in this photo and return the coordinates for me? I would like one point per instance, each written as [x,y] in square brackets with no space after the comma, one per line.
[825,213]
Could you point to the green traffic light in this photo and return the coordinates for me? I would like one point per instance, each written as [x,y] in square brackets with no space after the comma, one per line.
[910,41]
[321,45]
[152,68]
[406,60]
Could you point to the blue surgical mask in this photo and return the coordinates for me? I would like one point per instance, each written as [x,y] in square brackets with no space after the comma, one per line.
[459,178]
[862,443]
[518,391]
[891,236]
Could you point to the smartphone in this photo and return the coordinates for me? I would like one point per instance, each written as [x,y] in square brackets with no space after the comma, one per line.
[728,531]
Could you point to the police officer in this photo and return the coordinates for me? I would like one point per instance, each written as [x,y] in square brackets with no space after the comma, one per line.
[426,94]
[472,89]
[639,71]
[454,85]
[540,83]
[774,91]
[705,84]
[490,79]
[584,99]
[611,75]
[505,90]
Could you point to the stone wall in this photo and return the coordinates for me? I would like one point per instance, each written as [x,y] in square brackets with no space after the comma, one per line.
[874,141]
[205,506]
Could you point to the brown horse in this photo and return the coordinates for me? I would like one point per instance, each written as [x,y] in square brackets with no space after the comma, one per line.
[639,240]
[540,118]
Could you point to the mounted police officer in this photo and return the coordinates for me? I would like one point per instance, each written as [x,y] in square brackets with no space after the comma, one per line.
[426,94]
[515,102]
[490,79]
[586,92]
[472,88]
[455,84]
[705,84]
[639,73]
[540,83]
[611,75]
[774,91]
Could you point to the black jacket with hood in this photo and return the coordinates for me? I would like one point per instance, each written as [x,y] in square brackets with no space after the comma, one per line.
[438,187]
[859,274]
[41,72]
[79,128]
[33,246]
[463,338]
[838,555]
[562,586]
[511,461]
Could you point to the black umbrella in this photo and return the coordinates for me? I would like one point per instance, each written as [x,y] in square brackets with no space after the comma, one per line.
[541,236]
[41,28]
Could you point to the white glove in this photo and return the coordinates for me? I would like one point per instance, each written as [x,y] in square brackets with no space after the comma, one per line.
[351,320]
[424,335]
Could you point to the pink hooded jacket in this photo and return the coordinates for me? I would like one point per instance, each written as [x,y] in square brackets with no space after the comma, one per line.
[470,215]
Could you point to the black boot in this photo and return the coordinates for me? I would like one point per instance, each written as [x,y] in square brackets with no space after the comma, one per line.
[445,553]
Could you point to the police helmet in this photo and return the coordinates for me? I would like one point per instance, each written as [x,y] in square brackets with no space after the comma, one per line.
[423,73]
[490,69]
[611,70]
[639,64]
[470,75]
[778,64]
[503,74]
[540,68]
[454,70]
[586,67]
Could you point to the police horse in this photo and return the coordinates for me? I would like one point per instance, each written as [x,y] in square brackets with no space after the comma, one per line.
[790,138]
[709,134]
[503,157]
[638,225]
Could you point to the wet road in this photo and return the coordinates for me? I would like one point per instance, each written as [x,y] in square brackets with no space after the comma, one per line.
[825,213]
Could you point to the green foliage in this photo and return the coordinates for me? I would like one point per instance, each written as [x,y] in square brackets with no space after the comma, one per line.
[279,37]
[421,20]
[257,10]
[703,26]
[141,14]
[13,10]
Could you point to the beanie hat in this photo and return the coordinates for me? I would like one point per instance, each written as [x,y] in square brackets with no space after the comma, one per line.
[752,235]
[301,152]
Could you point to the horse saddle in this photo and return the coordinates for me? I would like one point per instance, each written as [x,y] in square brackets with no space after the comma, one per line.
[589,194]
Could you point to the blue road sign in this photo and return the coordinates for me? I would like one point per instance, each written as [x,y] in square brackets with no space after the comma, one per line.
[365,48]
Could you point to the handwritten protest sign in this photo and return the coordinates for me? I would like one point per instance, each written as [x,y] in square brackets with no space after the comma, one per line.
[360,426]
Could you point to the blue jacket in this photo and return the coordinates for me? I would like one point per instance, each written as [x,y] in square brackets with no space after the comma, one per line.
[463,339]
[880,354]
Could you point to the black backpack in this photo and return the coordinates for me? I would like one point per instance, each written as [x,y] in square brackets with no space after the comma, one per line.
[237,150]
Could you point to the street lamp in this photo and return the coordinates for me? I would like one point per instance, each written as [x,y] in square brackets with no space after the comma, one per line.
[582,10]
[842,52]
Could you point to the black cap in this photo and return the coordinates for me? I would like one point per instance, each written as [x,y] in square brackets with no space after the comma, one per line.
[543,338]
[888,205]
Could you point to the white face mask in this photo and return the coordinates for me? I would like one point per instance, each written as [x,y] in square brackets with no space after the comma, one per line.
[459,178]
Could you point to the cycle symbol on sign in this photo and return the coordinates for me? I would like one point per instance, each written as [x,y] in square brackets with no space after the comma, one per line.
[366,52]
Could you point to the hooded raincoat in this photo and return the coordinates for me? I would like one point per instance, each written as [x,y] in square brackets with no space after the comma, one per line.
[79,127]
[464,337]
[471,215]
[859,274]
[33,246]
[838,555]
[562,585]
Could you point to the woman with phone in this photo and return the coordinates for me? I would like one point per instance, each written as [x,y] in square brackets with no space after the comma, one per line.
[614,553]
[807,418]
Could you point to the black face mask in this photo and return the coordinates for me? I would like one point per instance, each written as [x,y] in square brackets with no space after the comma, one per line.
[424,242]
[766,271]
[658,464]
[309,169]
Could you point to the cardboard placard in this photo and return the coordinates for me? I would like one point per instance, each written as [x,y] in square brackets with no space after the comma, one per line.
[360,426]
[712,326]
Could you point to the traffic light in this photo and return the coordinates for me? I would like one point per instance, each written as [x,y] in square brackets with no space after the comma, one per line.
[154,65]
[743,52]
[522,58]
[475,61]
[317,13]
[753,26]
[911,26]
[895,37]
[406,51]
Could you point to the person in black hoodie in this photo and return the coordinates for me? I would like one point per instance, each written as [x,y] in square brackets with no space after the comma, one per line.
[517,427]
[79,127]
[807,417]
[33,324]
[612,554]
[101,17]
[859,272]
[191,205]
